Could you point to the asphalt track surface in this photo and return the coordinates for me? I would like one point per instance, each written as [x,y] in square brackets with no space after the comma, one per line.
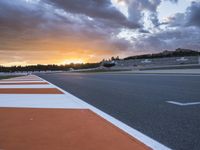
[139,100]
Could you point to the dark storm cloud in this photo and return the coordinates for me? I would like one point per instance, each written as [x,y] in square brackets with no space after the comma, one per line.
[174,1]
[14,15]
[169,40]
[190,18]
[136,9]
[20,22]
[193,14]
[100,10]
[182,30]
[25,24]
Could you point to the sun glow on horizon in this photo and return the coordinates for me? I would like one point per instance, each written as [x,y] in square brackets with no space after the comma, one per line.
[18,63]
[74,61]
[24,63]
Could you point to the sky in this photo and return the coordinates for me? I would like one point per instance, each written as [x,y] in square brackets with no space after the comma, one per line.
[81,31]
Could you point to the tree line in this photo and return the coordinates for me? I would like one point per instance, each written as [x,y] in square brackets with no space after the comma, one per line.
[52,67]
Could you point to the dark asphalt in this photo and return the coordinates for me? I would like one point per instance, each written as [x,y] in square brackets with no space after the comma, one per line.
[140,101]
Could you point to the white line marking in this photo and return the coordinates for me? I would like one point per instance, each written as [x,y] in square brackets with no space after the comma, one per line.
[183,104]
[22,81]
[129,130]
[26,86]
[39,101]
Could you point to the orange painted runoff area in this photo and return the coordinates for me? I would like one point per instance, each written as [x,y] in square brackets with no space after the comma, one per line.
[61,129]
[30,91]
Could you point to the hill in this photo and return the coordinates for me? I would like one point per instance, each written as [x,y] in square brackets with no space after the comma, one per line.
[177,53]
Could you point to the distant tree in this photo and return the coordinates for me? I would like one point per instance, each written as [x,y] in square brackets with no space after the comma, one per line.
[117,58]
[108,65]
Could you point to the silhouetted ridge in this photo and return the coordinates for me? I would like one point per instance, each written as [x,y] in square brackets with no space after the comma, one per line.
[177,53]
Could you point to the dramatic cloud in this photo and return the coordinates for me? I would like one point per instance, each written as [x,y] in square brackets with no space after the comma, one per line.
[31,27]
[193,14]
[54,31]
[137,8]
[181,30]
[170,39]
[101,10]
[190,18]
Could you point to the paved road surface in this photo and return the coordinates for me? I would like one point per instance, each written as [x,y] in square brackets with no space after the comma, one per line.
[140,101]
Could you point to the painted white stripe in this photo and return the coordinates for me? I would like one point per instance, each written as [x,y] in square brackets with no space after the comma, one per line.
[39,101]
[3,81]
[27,76]
[23,77]
[131,131]
[183,104]
[27,86]
[11,79]
[23,80]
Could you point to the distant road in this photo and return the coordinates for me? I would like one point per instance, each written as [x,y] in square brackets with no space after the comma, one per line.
[140,101]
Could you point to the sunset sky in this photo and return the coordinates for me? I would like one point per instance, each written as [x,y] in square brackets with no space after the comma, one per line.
[65,31]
